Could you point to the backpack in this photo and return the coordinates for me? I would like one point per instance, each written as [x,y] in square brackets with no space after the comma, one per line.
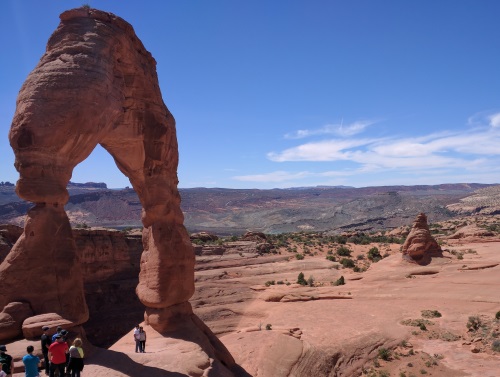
[6,360]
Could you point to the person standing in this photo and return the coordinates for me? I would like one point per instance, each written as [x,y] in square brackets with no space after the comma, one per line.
[6,361]
[136,339]
[58,332]
[31,363]
[57,356]
[142,339]
[45,343]
[2,373]
[76,358]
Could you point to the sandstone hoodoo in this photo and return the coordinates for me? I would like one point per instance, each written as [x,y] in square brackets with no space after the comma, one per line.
[420,246]
[97,84]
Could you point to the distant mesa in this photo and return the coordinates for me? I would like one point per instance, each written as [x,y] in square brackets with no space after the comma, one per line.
[93,185]
[420,246]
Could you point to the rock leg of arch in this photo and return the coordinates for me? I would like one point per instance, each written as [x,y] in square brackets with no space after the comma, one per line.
[97,84]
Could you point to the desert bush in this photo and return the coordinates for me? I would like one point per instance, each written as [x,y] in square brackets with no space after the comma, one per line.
[331,258]
[384,354]
[495,346]
[310,281]
[374,254]
[344,251]
[269,283]
[269,326]
[431,314]
[347,263]
[497,315]
[339,281]
[301,280]
[360,257]
[474,323]
[299,256]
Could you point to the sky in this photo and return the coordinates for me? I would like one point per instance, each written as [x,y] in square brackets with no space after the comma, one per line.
[296,93]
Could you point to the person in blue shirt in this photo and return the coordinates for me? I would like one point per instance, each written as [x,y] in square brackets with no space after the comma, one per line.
[31,363]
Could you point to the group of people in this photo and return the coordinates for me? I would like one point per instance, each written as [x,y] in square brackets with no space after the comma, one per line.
[58,356]
[140,339]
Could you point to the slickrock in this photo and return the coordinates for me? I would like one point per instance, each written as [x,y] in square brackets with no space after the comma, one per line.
[420,246]
[97,84]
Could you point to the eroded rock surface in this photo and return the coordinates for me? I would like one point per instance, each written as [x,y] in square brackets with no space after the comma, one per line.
[96,84]
[420,245]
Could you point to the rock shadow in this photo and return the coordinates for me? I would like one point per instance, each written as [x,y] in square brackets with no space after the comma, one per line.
[121,362]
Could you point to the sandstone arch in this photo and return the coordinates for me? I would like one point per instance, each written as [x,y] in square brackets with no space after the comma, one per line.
[97,84]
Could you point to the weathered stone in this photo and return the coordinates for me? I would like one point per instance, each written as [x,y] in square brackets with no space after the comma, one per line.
[32,326]
[420,245]
[203,236]
[11,319]
[96,84]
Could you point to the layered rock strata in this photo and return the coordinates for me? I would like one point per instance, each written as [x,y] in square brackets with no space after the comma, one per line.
[420,246]
[96,84]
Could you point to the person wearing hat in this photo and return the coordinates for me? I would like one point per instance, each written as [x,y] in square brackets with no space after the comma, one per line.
[6,361]
[31,363]
[46,341]
[58,332]
[57,356]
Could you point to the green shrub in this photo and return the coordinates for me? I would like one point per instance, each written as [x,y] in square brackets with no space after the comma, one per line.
[344,251]
[497,315]
[310,281]
[331,258]
[384,354]
[269,283]
[347,263]
[301,280]
[299,256]
[339,281]
[374,254]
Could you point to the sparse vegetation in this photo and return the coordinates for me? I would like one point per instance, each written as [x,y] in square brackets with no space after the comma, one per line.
[497,315]
[347,263]
[269,326]
[431,314]
[474,323]
[384,354]
[344,251]
[301,280]
[374,254]
[495,346]
[339,281]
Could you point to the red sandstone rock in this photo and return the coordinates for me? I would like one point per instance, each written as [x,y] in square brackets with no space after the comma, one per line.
[95,84]
[11,319]
[32,326]
[420,244]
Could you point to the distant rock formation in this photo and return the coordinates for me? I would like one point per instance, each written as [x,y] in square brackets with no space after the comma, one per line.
[97,84]
[420,245]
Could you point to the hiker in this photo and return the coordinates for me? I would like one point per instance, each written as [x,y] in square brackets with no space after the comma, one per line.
[136,339]
[57,356]
[142,339]
[76,358]
[58,332]
[31,363]
[45,343]
[6,361]
[2,373]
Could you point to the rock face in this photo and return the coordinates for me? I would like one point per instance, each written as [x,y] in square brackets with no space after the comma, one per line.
[96,84]
[420,245]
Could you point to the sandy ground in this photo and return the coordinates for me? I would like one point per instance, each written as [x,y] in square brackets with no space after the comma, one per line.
[327,330]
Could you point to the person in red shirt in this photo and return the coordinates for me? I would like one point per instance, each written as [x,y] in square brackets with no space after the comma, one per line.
[57,356]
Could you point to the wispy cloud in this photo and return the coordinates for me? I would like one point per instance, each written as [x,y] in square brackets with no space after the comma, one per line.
[468,152]
[338,129]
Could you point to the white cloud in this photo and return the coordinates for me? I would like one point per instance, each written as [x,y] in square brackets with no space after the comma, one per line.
[332,129]
[495,120]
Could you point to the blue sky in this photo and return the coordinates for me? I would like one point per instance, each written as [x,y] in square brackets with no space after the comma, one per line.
[292,93]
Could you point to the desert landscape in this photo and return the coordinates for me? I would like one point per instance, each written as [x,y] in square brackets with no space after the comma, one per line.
[308,281]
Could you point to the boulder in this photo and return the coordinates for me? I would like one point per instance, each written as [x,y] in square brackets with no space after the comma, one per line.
[11,319]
